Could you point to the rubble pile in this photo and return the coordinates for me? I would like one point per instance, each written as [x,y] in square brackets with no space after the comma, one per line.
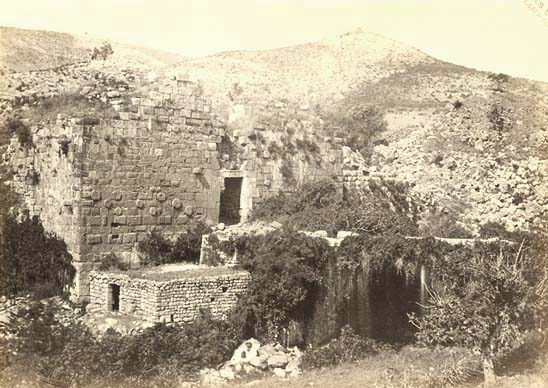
[253,360]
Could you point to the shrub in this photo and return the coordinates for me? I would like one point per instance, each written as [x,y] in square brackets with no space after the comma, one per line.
[157,250]
[489,300]
[443,225]
[275,150]
[33,177]
[216,249]
[112,262]
[307,146]
[324,205]
[16,127]
[500,80]
[348,347]
[33,260]
[69,105]
[359,122]
[493,229]
[72,354]
[102,52]
[286,269]
[188,245]
[497,116]
[64,146]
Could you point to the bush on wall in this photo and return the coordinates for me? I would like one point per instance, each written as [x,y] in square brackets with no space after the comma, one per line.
[157,250]
[16,127]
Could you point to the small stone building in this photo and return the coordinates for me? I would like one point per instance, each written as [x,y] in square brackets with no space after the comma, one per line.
[179,298]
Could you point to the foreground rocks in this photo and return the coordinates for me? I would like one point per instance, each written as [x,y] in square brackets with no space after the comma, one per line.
[252,360]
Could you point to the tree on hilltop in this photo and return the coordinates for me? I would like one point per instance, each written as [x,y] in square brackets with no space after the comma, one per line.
[500,80]
[102,52]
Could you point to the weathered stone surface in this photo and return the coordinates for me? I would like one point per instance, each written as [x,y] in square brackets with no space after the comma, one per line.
[161,197]
[279,372]
[189,210]
[94,239]
[278,360]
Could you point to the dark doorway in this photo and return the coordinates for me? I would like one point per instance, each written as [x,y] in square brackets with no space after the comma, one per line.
[114,297]
[229,211]
[392,296]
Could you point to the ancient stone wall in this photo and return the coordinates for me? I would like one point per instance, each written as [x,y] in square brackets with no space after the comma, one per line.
[103,185]
[178,300]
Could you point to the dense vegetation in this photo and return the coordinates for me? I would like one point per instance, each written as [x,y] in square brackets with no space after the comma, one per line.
[32,260]
[359,124]
[286,269]
[348,347]
[487,296]
[157,250]
[16,127]
[382,207]
[71,353]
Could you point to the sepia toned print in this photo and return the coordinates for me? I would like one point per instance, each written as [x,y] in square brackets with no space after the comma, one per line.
[273,193]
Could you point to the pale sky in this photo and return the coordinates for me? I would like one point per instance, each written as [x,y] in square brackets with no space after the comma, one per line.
[494,35]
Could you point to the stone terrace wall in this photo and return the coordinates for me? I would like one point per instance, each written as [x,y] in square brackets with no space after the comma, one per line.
[178,300]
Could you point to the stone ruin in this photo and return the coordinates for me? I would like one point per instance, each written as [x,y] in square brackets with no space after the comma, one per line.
[176,293]
[103,184]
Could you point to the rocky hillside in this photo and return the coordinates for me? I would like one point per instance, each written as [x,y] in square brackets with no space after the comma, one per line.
[32,50]
[474,146]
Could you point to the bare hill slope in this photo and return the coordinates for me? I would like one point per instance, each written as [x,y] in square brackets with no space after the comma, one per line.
[27,50]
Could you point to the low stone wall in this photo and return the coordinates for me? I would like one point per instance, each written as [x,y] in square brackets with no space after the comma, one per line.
[178,300]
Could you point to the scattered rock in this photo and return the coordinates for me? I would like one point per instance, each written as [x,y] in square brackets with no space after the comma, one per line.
[250,359]
[278,360]
[279,372]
